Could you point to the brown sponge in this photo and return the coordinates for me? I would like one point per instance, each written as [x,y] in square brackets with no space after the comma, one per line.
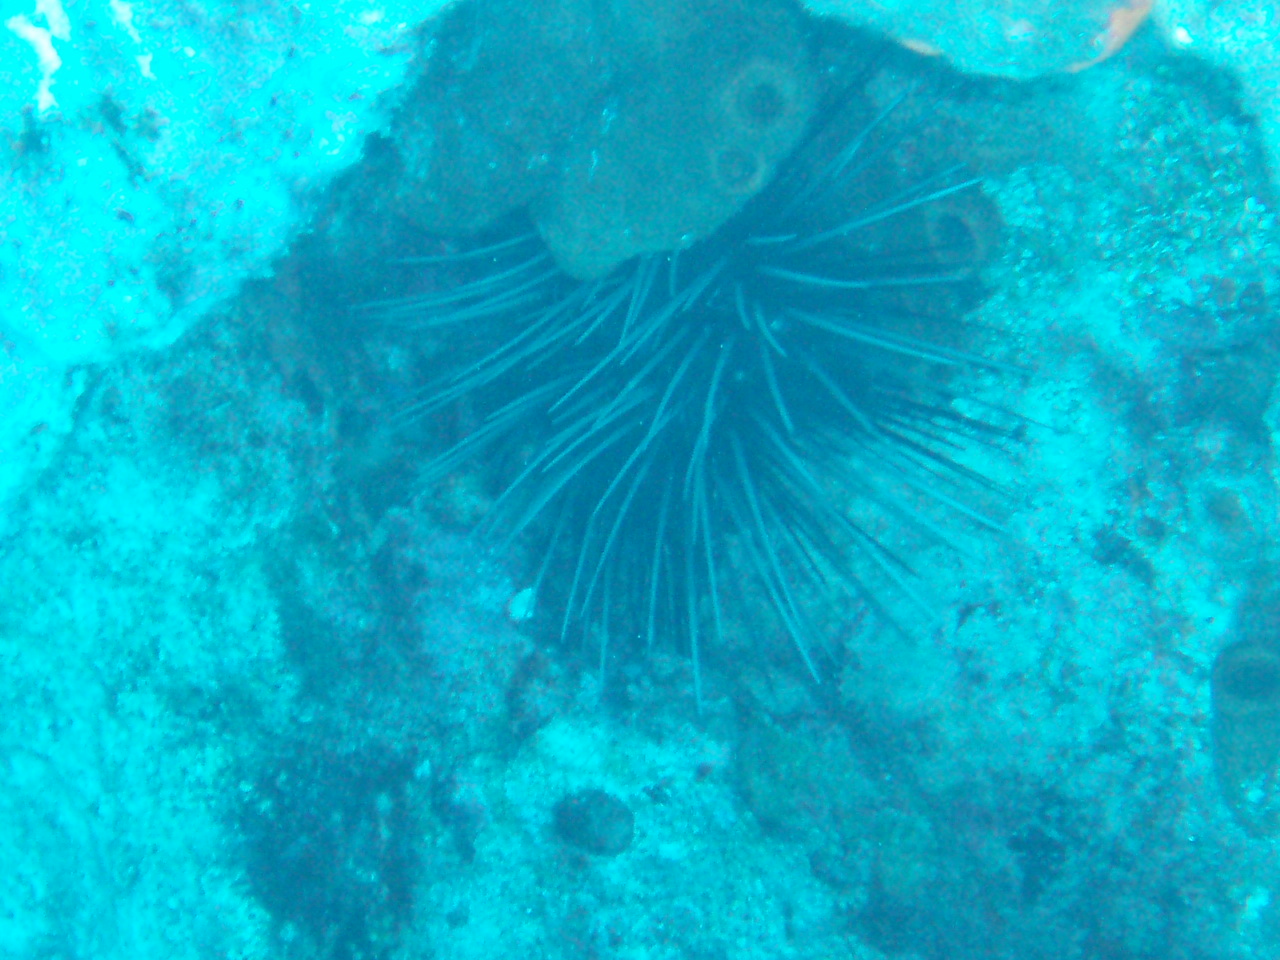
[698,128]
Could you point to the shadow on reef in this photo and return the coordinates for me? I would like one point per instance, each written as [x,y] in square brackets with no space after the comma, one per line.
[403,670]
[331,844]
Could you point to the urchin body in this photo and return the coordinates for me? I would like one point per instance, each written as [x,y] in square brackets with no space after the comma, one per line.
[737,391]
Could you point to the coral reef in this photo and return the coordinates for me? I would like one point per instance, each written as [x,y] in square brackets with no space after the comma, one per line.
[228,590]
[329,843]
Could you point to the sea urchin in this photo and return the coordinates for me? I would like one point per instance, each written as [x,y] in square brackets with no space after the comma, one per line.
[725,398]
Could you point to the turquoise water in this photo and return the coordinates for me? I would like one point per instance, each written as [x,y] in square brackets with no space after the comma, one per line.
[286,673]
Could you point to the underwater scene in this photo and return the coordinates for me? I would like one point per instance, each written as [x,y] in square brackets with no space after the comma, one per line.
[639,480]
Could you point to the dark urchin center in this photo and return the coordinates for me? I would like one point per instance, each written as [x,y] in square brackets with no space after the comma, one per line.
[718,393]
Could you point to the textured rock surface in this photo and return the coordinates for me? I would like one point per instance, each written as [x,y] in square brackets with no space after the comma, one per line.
[1242,36]
[1029,38]
[1020,38]
[504,85]
[153,156]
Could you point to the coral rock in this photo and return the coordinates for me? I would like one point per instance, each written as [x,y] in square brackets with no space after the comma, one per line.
[504,85]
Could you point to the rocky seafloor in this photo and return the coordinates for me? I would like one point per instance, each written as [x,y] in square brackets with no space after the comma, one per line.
[263,695]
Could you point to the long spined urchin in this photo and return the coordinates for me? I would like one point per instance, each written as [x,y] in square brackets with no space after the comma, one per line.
[732,396]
